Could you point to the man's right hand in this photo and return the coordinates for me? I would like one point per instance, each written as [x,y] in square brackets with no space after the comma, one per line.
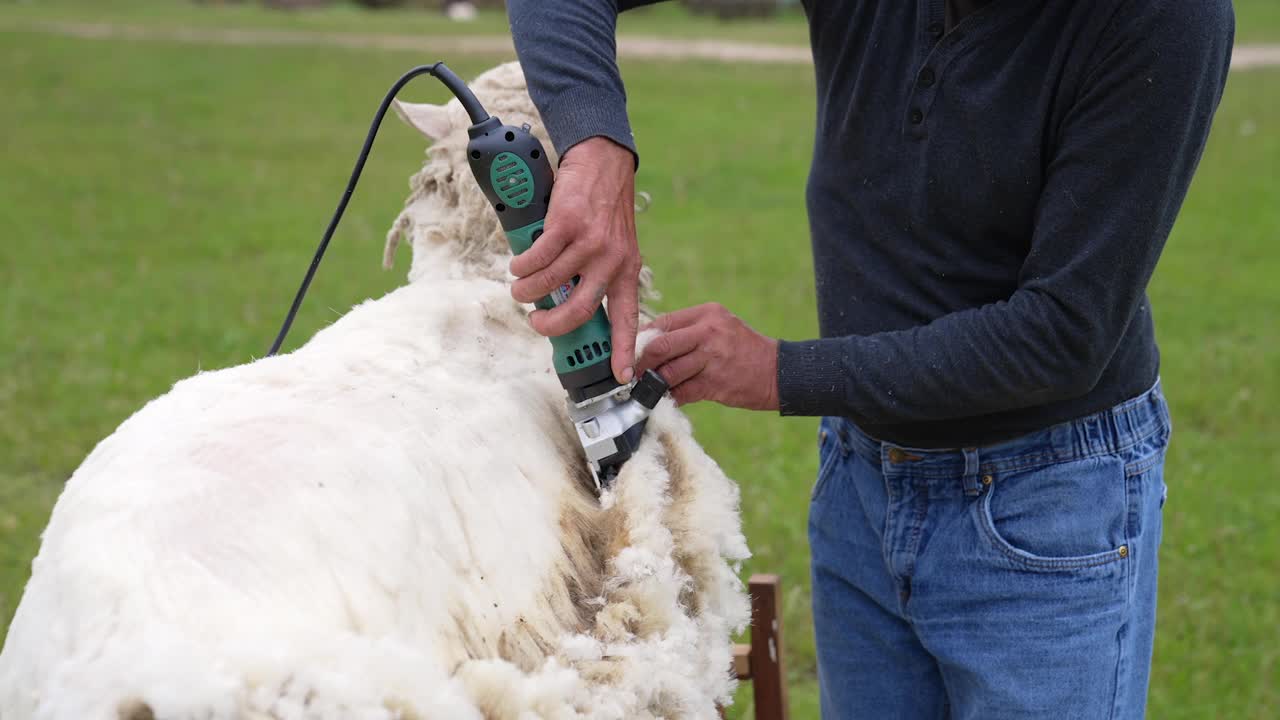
[590,232]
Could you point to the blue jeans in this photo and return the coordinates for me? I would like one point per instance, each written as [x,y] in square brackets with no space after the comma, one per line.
[1010,581]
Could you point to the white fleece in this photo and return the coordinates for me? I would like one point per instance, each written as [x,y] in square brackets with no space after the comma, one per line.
[393,521]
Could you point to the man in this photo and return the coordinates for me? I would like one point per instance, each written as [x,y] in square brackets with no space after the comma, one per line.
[991,187]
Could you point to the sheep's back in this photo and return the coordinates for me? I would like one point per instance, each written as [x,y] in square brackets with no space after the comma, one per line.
[397,512]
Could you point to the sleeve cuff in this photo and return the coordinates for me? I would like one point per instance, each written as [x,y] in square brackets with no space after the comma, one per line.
[812,380]
[584,113]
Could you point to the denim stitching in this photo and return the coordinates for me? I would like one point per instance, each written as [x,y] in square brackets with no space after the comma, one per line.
[1132,510]
[917,527]
[1120,657]
[987,523]
[885,534]
[825,470]
[1141,466]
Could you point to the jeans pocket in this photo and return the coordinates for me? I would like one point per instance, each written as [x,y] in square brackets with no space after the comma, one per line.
[829,453]
[1063,516]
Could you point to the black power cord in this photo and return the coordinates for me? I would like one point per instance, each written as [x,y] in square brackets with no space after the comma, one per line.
[469,103]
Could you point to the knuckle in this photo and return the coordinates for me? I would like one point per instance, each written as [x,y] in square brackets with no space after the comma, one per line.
[554,324]
[686,366]
[669,372]
[528,262]
[560,234]
[539,256]
[582,312]
[545,282]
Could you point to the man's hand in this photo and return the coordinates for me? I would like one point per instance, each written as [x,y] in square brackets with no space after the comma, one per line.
[708,353]
[590,232]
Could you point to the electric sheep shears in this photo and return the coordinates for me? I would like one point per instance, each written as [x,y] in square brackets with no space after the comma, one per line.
[516,176]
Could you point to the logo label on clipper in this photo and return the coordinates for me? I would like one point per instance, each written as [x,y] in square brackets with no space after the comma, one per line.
[561,294]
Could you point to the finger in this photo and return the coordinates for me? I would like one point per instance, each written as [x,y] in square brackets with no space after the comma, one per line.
[542,253]
[669,345]
[570,316]
[694,390]
[678,319]
[624,316]
[537,284]
[683,368]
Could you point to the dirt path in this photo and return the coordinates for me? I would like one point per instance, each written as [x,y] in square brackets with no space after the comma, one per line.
[1255,56]
[629,46]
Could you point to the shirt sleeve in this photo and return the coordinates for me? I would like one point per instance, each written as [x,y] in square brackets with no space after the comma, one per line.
[1125,155]
[568,51]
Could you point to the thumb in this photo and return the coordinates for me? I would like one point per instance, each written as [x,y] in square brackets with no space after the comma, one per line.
[624,316]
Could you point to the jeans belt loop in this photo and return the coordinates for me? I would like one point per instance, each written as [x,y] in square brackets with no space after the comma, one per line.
[972,483]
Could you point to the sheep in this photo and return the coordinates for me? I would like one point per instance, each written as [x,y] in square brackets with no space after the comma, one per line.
[393,521]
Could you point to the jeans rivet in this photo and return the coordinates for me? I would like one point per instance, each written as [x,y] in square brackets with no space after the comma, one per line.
[986,479]
[1123,551]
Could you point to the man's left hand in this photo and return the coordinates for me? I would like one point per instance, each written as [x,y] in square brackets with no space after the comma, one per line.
[708,353]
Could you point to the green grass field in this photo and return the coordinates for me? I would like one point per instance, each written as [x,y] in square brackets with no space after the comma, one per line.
[160,201]
[787,27]
[1259,20]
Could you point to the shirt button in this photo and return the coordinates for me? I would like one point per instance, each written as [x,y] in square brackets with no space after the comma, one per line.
[927,77]
[935,28]
[917,116]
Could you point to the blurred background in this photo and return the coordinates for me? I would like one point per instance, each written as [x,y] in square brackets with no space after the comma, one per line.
[167,166]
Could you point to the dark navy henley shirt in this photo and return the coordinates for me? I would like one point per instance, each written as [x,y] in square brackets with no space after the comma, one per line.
[987,199]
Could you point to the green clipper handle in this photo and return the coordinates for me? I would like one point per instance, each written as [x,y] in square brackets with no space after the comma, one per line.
[516,177]
[586,346]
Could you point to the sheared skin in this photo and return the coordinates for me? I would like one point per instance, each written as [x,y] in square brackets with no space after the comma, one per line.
[393,521]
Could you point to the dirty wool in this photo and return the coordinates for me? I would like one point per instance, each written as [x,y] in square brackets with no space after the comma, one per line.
[393,521]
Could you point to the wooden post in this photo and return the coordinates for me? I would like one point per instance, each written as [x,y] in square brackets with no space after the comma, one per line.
[742,661]
[761,661]
[768,686]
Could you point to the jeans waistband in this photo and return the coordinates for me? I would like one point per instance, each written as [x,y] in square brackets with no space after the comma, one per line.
[1109,432]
